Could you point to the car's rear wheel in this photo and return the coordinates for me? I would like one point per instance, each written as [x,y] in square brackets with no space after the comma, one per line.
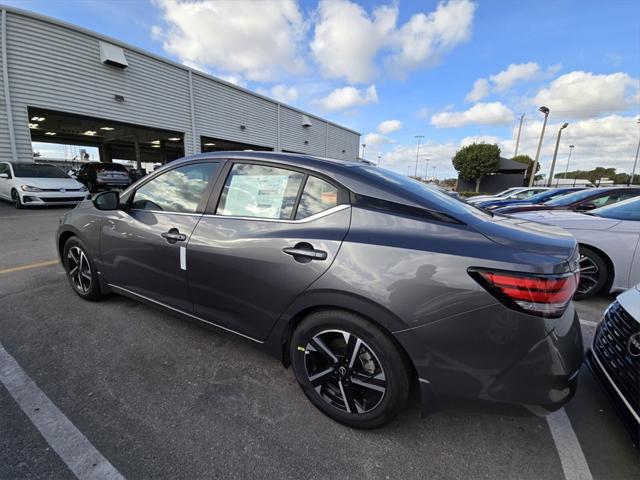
[15,198]
[593,274]
[81,272]
[349,368]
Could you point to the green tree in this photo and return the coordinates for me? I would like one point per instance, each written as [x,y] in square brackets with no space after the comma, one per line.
[475,161]
[529,161]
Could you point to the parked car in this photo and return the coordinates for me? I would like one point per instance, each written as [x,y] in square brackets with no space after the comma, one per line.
[609,239]
[541,197]
[614,357]
[581,201]
[518,193]
[103,175]
[32,184]
[365,281]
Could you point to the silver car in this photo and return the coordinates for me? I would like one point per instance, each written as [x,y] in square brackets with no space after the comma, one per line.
[609,239]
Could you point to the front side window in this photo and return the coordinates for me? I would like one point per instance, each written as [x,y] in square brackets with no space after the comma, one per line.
[317,197]
[260,191]
[4,168]
[179,190]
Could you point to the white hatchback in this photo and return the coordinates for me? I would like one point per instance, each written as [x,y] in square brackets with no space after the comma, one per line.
[29,184]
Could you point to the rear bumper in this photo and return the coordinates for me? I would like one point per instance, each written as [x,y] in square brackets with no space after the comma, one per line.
[498,356]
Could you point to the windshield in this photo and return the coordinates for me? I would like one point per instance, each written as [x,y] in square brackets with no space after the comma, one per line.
[572,197]
[38,171]
[508,191]
[548,195]
[449,203]
[625,210]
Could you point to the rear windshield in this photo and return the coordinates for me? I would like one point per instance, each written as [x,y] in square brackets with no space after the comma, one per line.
[110,167]
[38,171]
[573,197]
[448,203]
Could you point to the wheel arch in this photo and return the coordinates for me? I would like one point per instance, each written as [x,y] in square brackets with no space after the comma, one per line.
[63,237]
[611,271]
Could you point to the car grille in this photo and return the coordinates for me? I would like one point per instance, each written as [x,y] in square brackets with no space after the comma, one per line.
[611,345]
[57,190]
[62,199]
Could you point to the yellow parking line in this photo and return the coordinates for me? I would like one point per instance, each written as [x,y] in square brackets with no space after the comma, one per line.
[19,268]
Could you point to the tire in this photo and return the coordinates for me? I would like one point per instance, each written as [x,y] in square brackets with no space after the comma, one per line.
[364,389]
[84,281]
[594,274]
[15,198]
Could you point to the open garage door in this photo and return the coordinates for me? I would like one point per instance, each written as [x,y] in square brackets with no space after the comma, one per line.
[208,144]
[122,142]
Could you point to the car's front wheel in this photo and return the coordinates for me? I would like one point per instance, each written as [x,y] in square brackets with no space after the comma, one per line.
[15,198]
[349,368]
[593,274]
[81,271]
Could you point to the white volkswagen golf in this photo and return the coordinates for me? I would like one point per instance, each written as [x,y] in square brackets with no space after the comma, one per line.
[29,184]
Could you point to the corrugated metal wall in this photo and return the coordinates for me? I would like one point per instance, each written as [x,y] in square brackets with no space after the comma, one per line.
[58,68]
[5,145]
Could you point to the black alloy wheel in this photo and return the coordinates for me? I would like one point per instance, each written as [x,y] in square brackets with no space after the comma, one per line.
[593,274]
[80,270]
[349,368]
[15,198]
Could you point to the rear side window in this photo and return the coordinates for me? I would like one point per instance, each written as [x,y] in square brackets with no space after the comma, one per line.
[317,197]
[260,191]
[179,190]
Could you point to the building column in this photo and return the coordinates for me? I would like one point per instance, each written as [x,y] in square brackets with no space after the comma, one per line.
[7,90]
[136,143]
[105,153]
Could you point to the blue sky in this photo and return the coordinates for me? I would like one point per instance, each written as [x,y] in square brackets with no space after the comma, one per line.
[413,65]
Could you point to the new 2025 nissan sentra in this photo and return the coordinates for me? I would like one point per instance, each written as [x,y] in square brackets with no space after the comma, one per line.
[366,282]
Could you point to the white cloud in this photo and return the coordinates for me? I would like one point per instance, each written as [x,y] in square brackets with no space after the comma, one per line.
[481,139]
[479,91]
[258,40]
[347,40]
[389,126]
[581,94]
[493,113]
[156,33]
[514,73]
[280,92]
[375,140]
[347,97]
[423,113]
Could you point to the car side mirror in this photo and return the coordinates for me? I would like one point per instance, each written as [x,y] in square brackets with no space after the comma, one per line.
[585,206]
[109,200]
[4,175]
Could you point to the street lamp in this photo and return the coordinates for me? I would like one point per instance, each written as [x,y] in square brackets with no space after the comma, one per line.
[419,138]
[379,159]
[515,154]
[426,168]
[433,173]
[546,111]
[364,145]
[571,147]
[555,154]
[635,162]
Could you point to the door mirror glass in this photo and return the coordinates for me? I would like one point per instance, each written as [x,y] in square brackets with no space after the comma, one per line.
[107,200]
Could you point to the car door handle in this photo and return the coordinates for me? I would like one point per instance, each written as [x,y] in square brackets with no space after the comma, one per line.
[173,236]
[304,250]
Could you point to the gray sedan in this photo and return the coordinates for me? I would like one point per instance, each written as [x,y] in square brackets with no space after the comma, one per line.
[609,239]
[367,283]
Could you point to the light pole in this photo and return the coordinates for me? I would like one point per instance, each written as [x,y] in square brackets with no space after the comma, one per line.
[515,154]
[635,162]
[426,168]
[379,159]
[571,147]
[433,173]
[364,145]
[546,111]
[555,154]
[419,138]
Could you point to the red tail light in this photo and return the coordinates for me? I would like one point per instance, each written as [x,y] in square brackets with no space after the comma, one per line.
[547,296]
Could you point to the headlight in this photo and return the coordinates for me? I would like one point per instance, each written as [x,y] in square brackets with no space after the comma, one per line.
[29,188]
[84,189]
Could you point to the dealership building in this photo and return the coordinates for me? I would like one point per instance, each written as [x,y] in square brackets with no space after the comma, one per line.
[62,84]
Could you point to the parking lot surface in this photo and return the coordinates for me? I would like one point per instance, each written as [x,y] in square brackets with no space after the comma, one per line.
[161,397]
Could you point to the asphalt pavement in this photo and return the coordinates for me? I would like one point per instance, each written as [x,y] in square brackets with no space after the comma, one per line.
[161,397]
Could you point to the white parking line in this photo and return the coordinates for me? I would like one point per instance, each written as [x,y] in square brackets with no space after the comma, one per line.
[588,323]
[69,443]
[574,463]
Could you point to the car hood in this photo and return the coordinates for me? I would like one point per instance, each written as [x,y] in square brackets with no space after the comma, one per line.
[528,236]
[569,220]
[67,183]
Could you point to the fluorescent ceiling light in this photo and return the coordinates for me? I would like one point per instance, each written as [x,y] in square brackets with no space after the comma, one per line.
[155,142]
[175,139]
[90,132]
[33,125]
[155,146]
[51,134]
[37,119]
[107,129]
[209,144]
